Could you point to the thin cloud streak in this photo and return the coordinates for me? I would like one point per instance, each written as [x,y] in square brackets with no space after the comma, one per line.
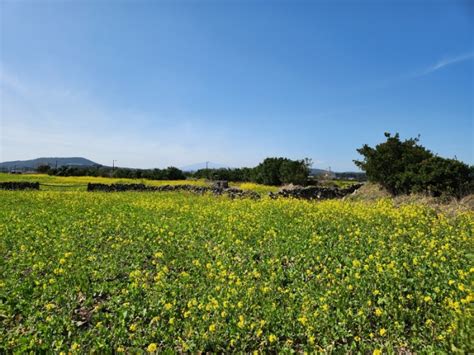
[446,62]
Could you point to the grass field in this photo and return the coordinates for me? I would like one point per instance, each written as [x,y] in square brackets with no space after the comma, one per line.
[145,272]
[78,183]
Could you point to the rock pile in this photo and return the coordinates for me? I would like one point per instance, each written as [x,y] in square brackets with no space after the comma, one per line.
[19,185]
[216,190]
[221,184]
[314,192]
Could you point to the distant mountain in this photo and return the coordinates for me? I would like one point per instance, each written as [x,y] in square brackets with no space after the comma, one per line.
[52,162]
[210,165]
[319,172]
[346,175]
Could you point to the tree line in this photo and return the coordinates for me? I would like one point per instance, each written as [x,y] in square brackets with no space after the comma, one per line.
[170,173]
[401,167]
[272,171]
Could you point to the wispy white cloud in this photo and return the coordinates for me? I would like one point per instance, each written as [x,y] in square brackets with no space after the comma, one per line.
[446,62]
[402,78]
[47,119]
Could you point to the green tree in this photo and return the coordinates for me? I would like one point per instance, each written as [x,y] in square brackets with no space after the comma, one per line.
[295,171]
[277,171]
[439,176]
[406,166]
[43,169]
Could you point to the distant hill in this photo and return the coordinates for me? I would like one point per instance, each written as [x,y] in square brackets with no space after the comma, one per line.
[52,162]
[346,175]
[319,172]
[198,166]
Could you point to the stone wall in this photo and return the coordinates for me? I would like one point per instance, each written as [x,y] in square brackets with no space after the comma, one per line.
[216,190]
[19,185]
[315,192]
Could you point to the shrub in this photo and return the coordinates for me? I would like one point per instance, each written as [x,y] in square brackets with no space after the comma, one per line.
[403,167]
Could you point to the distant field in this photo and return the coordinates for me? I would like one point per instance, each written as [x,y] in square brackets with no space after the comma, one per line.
[135,272]
[72,182]
[78,183]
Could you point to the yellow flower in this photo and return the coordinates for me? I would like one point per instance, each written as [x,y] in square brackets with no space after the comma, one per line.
[377,352]
[241,322]
[152,347]
[303,320]
[212,328]
[133,327]
[168,306]
[382,331]
[272,338]
[378,312]
[75,346]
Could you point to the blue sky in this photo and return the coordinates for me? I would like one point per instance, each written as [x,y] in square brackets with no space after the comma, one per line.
[159,83]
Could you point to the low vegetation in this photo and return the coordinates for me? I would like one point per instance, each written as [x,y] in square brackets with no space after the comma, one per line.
[404,167]
[137,272]
[272,171]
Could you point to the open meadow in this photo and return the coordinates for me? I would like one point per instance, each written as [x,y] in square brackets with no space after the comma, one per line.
[79,183]
[236,177]
[179,272]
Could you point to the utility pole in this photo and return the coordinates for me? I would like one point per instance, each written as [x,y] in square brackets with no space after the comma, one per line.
[113,165]
[207,165]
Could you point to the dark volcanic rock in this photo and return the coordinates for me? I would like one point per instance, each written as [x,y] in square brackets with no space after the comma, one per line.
[221,184]
[307,193]
[216,190]
[19,185]
[314,192]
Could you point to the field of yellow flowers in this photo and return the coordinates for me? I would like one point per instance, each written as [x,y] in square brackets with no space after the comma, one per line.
[177,272]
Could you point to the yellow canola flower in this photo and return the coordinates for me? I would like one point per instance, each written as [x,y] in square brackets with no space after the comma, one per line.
[152,348]
[50,306]
[241,322]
